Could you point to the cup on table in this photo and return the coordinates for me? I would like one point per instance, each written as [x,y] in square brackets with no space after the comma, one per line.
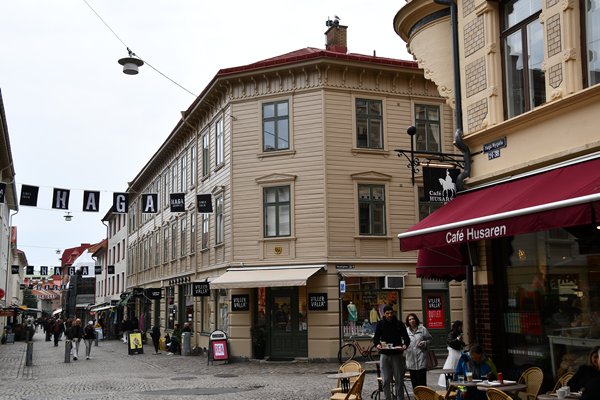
[561,393]
[461,379]
[390,345]
[469,376]
[567,390]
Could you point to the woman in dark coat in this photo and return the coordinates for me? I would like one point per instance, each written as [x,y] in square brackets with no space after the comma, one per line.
[155,335]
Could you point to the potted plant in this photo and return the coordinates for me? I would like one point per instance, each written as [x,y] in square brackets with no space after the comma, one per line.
[258,335]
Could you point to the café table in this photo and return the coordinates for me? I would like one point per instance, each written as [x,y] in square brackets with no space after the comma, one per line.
[507,386]
[448,373]
[553,396]
[344,378]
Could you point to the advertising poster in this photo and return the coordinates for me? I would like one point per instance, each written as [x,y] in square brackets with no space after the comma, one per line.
[135,343]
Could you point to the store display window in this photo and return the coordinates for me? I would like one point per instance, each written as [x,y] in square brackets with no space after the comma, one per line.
[362,305]
[552,297]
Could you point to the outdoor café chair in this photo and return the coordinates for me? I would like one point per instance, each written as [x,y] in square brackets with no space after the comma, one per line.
[348,366]
[532,377]
[495,394]
[355,392]
[426,393]
[563,380]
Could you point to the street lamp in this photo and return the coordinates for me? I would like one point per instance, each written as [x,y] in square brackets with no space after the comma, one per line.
[68,217]
[130,64]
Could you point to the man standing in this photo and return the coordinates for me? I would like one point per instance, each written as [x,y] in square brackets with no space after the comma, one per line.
[391,338]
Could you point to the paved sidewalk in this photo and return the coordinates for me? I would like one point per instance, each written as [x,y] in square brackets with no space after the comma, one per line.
[113,374]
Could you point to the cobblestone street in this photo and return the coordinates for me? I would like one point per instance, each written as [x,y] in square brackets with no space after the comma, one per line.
[113,374]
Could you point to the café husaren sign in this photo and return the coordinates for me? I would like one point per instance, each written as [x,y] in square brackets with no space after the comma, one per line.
[472,234]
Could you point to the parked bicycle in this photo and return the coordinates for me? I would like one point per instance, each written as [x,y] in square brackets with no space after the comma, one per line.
[350,347]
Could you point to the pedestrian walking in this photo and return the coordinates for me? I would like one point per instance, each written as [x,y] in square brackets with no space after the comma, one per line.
[455,347]
[57,329]
[155,335]
[89,334]
[75,334]
[416,353]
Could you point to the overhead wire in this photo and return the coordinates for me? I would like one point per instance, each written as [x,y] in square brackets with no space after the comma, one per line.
[131,53]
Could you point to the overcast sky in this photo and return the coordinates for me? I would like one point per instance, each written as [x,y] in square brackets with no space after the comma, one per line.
[77,122]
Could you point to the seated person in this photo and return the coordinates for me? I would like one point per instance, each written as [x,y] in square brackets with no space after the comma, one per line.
[587,377]
[480,365]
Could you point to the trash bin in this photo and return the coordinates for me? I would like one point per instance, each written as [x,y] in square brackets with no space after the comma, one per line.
[186,343]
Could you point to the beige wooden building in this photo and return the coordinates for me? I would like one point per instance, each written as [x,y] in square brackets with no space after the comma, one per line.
[528,99]
[297,153]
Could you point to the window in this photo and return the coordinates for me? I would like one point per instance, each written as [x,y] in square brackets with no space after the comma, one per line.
[193,166]
[145,254]
[183,165]
[123,247]
[205,155]
[219,220]
[371,209]
[183,237]
[192,232]
[592,41]
[369,124]
[523,54]
[223,311]
[165,193]
[205,219]
[219,142]
[276,135]
[118,252]
[150,252]
[174,178]
[174,240]
[426,207]
[206,301]
[277,211]
[171,307]
[427,122]
[157,248]
[165,244]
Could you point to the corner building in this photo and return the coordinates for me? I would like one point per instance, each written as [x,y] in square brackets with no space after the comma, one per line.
[526,88]
[297,155]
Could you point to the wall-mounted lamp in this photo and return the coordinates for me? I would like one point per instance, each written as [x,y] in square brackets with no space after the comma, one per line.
[68,216]
[419,157]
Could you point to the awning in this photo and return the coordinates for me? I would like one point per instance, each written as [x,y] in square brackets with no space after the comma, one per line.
[82,305]
[252,277]
[100,308]
[57,311]
[123,302]
[446,263]
[561,197]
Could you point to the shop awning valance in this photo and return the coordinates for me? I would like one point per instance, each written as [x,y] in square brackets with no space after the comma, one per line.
[350,273]
[445,263]
[561,197]
[265,277]
[100,307]
[57,311]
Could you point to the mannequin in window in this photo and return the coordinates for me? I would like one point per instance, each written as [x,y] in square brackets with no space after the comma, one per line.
[352,317]
[374,315]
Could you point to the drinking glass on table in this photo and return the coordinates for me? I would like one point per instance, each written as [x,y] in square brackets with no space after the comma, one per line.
[469,376]
[461,379]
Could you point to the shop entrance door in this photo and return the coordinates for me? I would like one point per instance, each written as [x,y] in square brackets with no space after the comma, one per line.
[286,339]
[436,317]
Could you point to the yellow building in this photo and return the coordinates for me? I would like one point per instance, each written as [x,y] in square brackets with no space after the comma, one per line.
[296,157]
[526,95]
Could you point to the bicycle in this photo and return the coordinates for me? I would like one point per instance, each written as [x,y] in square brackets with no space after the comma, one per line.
[348,351]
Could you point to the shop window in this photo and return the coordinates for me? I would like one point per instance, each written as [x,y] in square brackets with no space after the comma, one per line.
[369,124]
[206,303]
[362,305]
[276,134]
[171,307]
[523,55]
[552,297]
[427,122]
[188,300]
[222,311]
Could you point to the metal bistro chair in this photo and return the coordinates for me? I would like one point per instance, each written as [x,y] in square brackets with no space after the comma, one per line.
[532,377]
[426,393]
[348,366]
[495,394]
[355,392]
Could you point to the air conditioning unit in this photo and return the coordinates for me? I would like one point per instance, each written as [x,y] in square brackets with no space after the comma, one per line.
[393,282]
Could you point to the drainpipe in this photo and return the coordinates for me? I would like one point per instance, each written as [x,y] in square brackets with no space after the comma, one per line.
[461,145]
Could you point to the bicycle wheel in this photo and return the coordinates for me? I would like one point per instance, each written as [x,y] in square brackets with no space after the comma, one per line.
[346,353]
[373,353]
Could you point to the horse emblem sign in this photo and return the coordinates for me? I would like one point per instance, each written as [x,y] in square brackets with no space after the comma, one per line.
[439,184]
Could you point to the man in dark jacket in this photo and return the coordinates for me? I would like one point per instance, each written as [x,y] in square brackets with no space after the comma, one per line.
[391,339]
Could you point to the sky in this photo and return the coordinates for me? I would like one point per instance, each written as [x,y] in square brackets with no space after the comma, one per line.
[77,122]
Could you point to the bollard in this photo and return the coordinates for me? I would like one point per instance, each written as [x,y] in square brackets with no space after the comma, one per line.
[67,351]
[29,355]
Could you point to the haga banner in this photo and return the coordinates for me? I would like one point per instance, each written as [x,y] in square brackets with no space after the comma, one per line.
[439,184]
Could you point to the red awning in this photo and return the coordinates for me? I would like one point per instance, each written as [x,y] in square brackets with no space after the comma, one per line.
[446,263]
[561,197]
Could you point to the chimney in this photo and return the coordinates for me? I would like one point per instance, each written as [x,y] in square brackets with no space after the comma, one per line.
[336,38]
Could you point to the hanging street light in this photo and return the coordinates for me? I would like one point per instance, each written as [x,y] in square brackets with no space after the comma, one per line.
[131,64]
